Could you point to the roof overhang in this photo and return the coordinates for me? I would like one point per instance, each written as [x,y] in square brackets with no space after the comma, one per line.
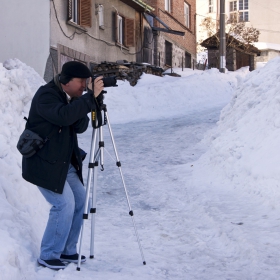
[138,5]
[213,43]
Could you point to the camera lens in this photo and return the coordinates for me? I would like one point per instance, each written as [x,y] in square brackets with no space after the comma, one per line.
[109,81]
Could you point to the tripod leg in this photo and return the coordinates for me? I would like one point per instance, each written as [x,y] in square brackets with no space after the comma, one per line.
[101,147]
[100,153]
[93,211]
[90,169]
[125,189]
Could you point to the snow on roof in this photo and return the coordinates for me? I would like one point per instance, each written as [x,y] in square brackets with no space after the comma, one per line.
[267,46]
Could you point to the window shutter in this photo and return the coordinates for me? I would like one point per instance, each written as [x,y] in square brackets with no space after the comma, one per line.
[85,13]
[70,10]
[129,32]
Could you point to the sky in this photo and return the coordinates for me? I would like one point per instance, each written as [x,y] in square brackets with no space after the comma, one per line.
[200,160]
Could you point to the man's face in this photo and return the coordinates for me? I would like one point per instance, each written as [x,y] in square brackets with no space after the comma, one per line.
[75,87]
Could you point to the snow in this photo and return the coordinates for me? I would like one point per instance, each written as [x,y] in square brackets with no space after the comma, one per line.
[267,46]
[200,160]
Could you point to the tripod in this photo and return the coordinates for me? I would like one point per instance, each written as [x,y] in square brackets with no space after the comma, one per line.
[92,167]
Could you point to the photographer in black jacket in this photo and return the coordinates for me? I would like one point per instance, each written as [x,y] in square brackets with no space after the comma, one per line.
[56,169]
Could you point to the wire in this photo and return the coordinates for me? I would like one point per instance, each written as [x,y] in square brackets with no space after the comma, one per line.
[206,17]
[202,5]
[97,39]
[71,37]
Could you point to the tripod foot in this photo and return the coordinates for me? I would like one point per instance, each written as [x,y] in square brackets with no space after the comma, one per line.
[91,257]
[144,263]
[78,268]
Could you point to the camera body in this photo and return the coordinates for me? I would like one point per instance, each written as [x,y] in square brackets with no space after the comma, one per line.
[107,81]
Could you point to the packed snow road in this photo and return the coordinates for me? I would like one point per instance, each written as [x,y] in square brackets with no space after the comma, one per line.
[188,229]
[154,156]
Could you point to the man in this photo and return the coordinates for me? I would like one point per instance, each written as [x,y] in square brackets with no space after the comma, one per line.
[59,111]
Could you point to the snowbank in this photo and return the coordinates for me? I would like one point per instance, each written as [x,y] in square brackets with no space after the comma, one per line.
[245,145]
[20,205]
[166,97]
[22,208]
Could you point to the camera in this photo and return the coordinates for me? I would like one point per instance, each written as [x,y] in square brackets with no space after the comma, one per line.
[107,81]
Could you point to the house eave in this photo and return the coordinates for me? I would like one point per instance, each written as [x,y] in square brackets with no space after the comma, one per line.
[138,5]
[213,43]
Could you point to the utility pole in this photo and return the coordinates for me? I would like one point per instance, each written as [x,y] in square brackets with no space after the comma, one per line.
[222,37]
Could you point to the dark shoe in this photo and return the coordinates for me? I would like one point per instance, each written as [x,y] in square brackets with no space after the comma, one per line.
[53,264]
[72,258]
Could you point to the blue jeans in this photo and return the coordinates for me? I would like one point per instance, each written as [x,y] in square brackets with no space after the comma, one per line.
[65,218]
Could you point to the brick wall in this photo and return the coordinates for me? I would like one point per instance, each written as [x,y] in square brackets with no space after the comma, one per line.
[175,19]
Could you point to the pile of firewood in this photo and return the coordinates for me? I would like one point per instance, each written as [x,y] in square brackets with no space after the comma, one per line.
[123,70]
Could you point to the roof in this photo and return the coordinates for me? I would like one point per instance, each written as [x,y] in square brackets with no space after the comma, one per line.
[231,42]
[138,5]
[267,46]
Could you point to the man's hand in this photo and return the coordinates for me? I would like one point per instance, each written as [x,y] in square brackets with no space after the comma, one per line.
[97,84]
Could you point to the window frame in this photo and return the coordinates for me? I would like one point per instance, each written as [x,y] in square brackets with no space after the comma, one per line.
[211,6]
[80,13]
[187,9]
[125,30]
[75,11]
[120,23]
[101,15]
[233,10]
[243,10]
[167,5]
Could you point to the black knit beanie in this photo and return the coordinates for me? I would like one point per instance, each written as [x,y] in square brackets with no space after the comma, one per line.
[73,69]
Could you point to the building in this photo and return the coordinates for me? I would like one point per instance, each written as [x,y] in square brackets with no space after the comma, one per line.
[237,53]
[25,32]
[46,35]
[93,31]
[174,32]
[259,14]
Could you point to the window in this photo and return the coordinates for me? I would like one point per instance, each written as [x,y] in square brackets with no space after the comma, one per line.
[243,10]
[243,5]
[101,15]
[232,6]
[167,5]
[233,10]
[187,14]
[211,6]
[79,12]
[120,28]
[124,34]
[75,12]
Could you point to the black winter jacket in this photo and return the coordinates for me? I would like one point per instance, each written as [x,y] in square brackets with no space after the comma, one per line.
[50,111]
